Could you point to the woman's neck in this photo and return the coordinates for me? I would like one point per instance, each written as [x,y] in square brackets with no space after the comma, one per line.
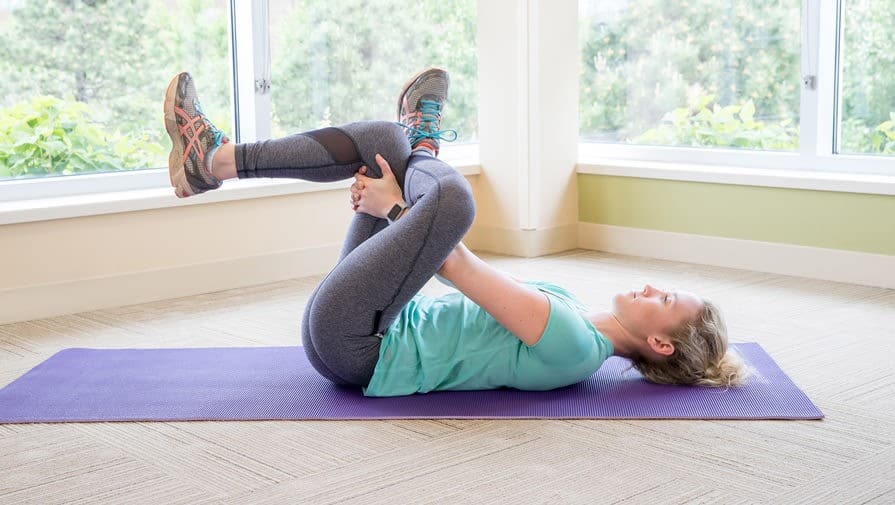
[624,343]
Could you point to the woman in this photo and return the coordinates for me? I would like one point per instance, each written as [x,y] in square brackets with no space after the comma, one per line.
[365,325]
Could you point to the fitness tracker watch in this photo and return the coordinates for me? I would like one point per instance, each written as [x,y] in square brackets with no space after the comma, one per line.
[395,212]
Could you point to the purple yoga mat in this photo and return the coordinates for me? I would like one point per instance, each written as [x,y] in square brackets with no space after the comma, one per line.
[256,383]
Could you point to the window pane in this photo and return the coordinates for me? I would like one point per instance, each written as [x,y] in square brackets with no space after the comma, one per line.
[338,62]
[690,73]
[83,83]
[867,90]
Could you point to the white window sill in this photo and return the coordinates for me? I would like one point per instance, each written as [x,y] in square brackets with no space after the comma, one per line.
[776,178]
[63,207]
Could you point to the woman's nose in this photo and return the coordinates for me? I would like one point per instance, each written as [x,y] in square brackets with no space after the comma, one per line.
[649,290]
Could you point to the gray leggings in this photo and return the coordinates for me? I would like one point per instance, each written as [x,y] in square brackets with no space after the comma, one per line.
[380,267]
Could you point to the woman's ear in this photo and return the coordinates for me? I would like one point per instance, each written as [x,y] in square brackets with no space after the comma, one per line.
[660,344]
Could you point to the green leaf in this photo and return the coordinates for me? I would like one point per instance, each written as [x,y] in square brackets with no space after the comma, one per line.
[704,101]
[747,112]
[876,141]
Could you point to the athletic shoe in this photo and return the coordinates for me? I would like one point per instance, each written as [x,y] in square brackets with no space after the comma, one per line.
[194,139]
[419,109]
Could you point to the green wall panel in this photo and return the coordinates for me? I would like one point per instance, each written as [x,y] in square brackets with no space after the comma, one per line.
[848,221]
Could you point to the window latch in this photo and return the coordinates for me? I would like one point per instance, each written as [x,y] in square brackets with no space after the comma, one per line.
[262,86]
[810,81]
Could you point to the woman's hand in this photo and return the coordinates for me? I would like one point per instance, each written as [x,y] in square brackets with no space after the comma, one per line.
[375,196]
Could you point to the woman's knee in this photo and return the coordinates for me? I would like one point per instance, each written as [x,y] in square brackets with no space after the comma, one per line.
[381,137]
[455,201]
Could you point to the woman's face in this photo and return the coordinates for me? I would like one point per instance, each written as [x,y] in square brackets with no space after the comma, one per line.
[652,312]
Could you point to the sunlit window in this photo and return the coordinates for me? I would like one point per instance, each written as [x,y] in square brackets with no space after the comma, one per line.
[867,92]
[337,62]
[690,73]
[83,82]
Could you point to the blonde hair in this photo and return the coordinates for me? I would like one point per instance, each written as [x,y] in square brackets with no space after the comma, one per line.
[700,357]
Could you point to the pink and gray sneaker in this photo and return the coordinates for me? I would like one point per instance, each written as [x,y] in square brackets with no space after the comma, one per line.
[419,109]
[194,139]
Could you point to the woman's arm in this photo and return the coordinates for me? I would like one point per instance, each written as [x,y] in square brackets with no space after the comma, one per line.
[522,311]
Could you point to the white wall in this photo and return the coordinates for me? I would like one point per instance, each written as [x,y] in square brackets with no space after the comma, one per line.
[528,117]
[62,266]
[69,265]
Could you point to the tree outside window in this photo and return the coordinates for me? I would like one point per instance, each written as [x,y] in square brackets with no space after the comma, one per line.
[690,73]
[83,81]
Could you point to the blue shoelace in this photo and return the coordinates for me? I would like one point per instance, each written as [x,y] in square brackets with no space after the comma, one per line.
[217,135]
[430,111]
[218,138]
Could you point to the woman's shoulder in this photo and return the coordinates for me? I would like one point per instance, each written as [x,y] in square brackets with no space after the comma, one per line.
[559,292]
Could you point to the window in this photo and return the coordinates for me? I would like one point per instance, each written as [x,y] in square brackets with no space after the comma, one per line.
[765,84]
[83,82]
[690,73]
[867,90]
[337,62]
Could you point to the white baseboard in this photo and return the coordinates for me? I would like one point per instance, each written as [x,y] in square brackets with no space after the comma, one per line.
[50,300]
[525,243]
[801,261]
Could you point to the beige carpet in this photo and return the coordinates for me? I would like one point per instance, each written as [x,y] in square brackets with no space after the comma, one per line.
[836,341]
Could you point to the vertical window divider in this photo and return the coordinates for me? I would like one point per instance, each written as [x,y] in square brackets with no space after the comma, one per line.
[812,139]
[261,66]
[234,83]
[822,132]
[243,68]
[252,68]
[837,27]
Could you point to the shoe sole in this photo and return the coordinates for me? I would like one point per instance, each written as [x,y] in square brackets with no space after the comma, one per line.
[175,159]
[410,83]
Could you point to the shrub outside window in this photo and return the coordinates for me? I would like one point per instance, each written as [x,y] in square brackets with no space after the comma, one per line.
[867,89]
[690,73]
[337,62]
[83,82]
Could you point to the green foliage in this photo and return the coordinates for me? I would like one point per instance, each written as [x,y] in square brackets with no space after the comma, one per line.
[114,58]
[335,62]
[868,90]
[859,138]
[192,37]
[332,63]
[705,123]
[98,51]
[49,136]
[642,59]
[883,138]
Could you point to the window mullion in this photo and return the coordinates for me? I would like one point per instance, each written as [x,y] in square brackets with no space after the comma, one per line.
[261,67]
[811,137]
[825,24]
[252,69]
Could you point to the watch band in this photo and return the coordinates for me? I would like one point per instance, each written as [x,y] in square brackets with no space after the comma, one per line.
[395,212]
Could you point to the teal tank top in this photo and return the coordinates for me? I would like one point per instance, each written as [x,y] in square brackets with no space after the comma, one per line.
[450,343]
